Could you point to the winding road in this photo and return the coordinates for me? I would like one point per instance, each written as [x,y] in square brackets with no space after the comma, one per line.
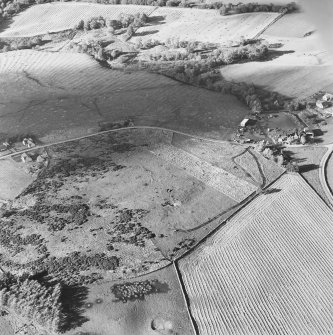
[323,173]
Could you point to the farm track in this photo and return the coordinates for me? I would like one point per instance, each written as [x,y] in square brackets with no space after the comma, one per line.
[111,131]
[270,24]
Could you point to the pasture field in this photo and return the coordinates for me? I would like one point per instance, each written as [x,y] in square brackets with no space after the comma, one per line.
[300,68]
[165,309]
[64,92]
[269,269]
[54,17]
[292,25]
[202,25]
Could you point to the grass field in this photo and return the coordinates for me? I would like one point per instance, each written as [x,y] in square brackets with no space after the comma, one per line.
[300,68]
[165,308]
[269,270]
[52,17]
[61,92]
[202,25]
[291,25]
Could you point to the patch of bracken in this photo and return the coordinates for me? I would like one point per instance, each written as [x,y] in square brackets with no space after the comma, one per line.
[137,290]
[128,229]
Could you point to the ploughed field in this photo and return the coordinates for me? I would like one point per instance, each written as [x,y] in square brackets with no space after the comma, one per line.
[203,25]
[269,269]
[54,17]
[66,94]
[124,203]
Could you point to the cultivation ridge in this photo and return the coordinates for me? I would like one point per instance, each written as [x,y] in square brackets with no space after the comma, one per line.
[204,25]
[53,17]
[221,180]
[269,270]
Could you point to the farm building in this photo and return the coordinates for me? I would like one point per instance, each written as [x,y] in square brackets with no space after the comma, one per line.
[26,158]
[327,97]
[247,122]
[322,104]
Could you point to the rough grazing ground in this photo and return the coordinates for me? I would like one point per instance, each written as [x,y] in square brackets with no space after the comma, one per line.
[165,307]
[129,194]
[203,25]
[13,179]
[119,199]
[52,17]
[64,91]
[215,177]
[269,270]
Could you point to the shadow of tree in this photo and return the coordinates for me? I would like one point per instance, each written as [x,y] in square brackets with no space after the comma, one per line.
[5,24]
[271,191]
[157,19]
[73,300]
[145,33]
[308,168]
[273,54]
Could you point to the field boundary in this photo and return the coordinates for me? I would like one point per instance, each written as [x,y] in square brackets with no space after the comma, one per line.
[242,204]
[111,131]
[186,299]
[270,24]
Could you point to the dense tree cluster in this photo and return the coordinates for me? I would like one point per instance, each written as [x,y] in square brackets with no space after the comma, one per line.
[124,21]
[136,290]
[19,43]
[9,8]
[226,9]
[32,300]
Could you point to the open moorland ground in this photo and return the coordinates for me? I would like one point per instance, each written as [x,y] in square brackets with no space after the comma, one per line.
[66,94]
[269,269]
[300,66]
[128,201]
